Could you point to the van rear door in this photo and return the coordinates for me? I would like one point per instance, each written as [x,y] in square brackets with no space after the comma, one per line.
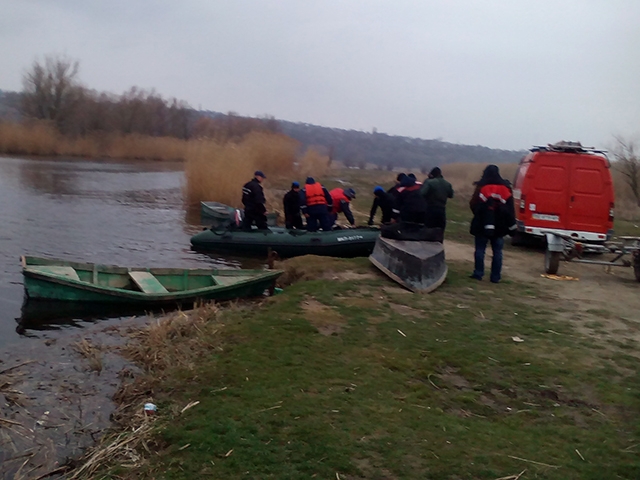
[547,196]
[591,194]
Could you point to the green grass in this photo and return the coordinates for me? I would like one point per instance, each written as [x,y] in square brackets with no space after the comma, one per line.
[407,386]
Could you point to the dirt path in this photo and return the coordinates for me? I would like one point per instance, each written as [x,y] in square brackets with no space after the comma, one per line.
[604,302]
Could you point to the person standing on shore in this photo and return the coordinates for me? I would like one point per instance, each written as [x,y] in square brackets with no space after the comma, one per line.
[254,203]
[436,191]
[291,203]
[411,206]
[493,218]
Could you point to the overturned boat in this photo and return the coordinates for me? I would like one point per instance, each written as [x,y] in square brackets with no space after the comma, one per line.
[417,265]
[352,242]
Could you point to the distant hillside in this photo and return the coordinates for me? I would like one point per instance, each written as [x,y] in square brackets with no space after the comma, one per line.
[355,148]
[350,147]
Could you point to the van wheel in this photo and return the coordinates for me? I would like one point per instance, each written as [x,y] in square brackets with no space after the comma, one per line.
[551,262]
[517,240]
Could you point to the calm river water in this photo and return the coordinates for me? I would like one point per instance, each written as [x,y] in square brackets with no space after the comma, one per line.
[97,211]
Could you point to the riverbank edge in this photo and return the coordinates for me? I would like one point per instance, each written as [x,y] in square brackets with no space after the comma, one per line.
[191,390]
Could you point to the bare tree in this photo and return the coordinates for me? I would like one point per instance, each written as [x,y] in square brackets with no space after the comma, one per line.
[51,89]
[628,163]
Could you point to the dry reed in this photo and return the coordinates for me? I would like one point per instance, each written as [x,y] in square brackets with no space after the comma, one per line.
[176,341]
[217,170]
[42,139]
[91,352]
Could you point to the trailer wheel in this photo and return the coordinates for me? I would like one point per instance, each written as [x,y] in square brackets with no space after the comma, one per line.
[636,265]
[551,262]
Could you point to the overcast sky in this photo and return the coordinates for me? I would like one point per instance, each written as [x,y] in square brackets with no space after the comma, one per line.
[501,73]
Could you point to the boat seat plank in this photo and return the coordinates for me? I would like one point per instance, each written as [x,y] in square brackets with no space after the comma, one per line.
[147,282]
[58,270]
[229,279]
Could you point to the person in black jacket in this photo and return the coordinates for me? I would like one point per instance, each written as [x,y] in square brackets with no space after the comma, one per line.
[411,206]
[253,201]
[493,218]
[291,203]
[383,200]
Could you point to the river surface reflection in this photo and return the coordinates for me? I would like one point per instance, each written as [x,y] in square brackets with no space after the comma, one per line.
[107,212]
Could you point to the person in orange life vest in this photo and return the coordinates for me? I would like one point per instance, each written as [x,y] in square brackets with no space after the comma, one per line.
[411,206]
[341,198]
[493,218]
[316,203]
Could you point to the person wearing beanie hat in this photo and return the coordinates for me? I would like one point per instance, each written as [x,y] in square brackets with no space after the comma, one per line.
[316,203]
[436,190]
[341,199]
[385,201]
[254,203]
[493,218]
[410,206]
[394,192]
[291,203]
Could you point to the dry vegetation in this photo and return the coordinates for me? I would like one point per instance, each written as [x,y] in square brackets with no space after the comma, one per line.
[217,170]
[42,138]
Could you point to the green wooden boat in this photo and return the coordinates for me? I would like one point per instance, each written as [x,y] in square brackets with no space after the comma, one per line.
[220,215]
[54,279]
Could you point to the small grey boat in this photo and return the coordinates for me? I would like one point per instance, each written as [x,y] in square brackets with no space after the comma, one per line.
[417,265]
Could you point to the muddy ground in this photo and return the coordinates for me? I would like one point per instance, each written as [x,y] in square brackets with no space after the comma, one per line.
[55,391]
[55,395]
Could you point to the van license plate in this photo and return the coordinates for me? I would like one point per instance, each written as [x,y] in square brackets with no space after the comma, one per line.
[547,218]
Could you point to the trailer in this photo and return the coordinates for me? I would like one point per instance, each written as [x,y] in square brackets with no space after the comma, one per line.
[563,247]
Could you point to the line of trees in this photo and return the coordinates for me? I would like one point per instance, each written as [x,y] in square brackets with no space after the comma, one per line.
[52,92]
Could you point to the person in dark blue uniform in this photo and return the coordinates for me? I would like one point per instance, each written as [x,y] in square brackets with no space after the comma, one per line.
[254,203]
[385,202]
[291,203]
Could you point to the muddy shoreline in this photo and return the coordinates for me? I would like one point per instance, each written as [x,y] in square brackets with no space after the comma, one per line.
[56,395]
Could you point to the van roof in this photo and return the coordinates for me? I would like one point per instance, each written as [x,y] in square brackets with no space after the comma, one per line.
[568,147]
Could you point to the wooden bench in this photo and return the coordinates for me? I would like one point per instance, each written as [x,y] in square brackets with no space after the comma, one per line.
[67,272]
[224,280]
[147,282]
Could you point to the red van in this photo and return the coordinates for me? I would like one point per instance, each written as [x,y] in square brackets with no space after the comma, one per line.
[564,188]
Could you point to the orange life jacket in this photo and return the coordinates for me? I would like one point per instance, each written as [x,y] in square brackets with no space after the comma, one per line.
[314,194]
[337,195]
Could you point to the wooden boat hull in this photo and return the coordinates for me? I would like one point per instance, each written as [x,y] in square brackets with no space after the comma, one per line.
[358,242]
[45,279]
[220,215]
[418,266]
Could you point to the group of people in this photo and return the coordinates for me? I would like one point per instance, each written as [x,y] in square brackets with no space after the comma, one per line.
[412,201]
[319,206]
[407,201]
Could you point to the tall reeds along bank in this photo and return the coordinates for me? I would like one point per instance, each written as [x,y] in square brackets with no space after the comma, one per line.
[463,175]
[41,138]
[216,171]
